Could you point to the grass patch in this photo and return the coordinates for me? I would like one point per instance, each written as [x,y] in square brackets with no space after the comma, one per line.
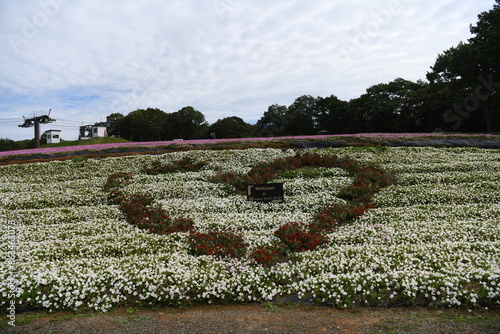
[270,306]
[470,319]
[91,141]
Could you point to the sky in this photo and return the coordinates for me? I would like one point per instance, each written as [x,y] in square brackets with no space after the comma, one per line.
[87,59]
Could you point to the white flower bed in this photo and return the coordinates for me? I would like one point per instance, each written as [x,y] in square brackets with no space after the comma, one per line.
[434,238]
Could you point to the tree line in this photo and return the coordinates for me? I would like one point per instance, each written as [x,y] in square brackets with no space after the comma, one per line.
[7,144]
[460,94]
[153,124]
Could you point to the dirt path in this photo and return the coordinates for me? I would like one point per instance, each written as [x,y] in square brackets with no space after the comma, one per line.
[259,318]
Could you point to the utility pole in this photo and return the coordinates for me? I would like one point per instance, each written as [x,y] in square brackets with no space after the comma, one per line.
[36,121]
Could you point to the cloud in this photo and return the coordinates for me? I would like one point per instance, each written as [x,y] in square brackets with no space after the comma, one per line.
[87,59]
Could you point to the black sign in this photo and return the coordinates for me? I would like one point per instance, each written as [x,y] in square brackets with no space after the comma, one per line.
[267,192]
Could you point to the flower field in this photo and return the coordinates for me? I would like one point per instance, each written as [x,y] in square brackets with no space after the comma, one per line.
[433,238]
[379,138]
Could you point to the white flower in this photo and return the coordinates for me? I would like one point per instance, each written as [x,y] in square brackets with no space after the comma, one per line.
[435,229]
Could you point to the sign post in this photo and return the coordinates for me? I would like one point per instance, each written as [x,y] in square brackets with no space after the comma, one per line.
[267,192]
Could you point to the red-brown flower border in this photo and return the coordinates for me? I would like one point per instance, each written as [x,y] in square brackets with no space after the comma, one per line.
[141,210]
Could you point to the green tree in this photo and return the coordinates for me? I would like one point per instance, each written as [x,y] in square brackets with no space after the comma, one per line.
[187,123]
[429,102]
[114,124]
[332,114]
[386,107]
[302,116]
[486,41]
[139,125]
[148,124]
[7,144]
[457,69]
[232,127]
[471,72]
[274,121]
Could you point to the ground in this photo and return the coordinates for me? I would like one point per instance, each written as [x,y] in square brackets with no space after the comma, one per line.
[261,318]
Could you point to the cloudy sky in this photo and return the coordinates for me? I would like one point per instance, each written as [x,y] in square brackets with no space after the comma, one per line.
[86,59]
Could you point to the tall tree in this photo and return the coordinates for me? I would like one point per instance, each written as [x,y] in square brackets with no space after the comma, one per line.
[274,121]
[302,116]
[428,103]
[385,108]
[114,125]
[486,40]
[457,68]
[331,114]
[139,125]
[487,43]
[232,127]
[472,72]
[187,123]
[148,124]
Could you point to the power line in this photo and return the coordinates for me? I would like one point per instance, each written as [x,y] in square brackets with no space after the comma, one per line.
[72,121]
[10,120]
[38,119]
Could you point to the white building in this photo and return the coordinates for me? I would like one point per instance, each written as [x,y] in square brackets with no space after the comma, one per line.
[93,131]
[99,131]
[52,136]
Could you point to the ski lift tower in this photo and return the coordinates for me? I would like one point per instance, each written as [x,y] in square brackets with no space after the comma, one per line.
[36,121]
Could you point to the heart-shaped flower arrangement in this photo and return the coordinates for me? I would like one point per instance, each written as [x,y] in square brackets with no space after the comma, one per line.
[142,211]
